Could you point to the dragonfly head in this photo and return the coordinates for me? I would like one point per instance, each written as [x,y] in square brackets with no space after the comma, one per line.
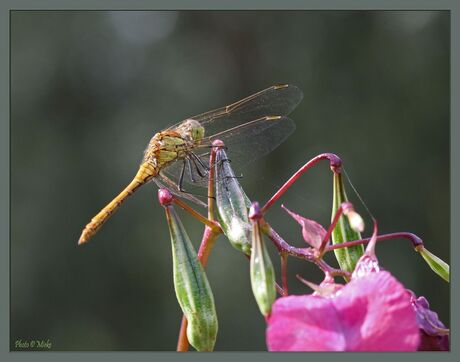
[191,130]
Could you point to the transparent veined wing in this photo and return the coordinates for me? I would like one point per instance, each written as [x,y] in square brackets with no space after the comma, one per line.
[254,139]
[277,100]
[245,143]
[164,181]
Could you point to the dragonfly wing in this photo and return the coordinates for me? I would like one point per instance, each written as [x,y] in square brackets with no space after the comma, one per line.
[278,100]
[254,139]
[250,128]
[245,143]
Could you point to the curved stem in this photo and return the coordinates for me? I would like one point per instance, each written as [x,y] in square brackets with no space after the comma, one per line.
[416,241]
[308,254]
[284,247]
[334,161]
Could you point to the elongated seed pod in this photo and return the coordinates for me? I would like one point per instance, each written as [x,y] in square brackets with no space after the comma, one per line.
[343,232]
[232,205]
[192,287]
[261,267]
[436,264]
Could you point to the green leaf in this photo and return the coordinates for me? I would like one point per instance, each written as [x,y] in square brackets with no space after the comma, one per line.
[343,232]
[192,288]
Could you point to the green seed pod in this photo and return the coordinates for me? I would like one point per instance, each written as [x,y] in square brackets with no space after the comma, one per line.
[261,267]
[232,205]
[436,264]
[343,232]
[192,287]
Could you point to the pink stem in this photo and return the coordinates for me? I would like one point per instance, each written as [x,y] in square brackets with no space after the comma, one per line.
[309,254]
[209,223]
[334,222]
[334,161]
[284,282]
[280,290]
[211,192]
[416,241]
[327,269]
[284,247]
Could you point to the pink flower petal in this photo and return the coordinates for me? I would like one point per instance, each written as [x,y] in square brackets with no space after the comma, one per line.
[434,334]
[371,313]
[312,232]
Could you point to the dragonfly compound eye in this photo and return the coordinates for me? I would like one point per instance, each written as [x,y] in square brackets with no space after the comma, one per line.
[197,133]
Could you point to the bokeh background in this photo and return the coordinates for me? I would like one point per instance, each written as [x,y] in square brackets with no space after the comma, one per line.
[90,88]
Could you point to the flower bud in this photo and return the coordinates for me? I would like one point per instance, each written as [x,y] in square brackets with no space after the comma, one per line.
[261,267]
[165,197]
[343,231]
[192,287]
[232,205]
[355,220]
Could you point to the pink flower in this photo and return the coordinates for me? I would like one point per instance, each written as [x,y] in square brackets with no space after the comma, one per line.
[372,312]
[434,336]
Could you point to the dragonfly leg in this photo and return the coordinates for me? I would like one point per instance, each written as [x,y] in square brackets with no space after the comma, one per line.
[190,170]
[200,161]
[201,172]
[221,162]
[196,168]
[181,177]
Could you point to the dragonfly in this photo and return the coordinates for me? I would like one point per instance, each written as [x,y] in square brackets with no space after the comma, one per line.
[250,128]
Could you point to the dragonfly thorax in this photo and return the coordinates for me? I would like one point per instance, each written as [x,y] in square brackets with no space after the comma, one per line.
[173,144]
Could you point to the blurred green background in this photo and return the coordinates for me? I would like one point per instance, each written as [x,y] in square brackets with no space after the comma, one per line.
[90,88]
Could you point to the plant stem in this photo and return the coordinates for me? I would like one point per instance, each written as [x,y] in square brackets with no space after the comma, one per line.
[182,341]
[284,247]
[334,222]
[284,282]
[416,241]
[310,255]
[211,191]
[334,161]
[209,223]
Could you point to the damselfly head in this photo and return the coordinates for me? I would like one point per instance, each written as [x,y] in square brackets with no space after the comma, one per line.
[191,130]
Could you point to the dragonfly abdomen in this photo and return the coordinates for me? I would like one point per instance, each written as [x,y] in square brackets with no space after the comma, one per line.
[145,173]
